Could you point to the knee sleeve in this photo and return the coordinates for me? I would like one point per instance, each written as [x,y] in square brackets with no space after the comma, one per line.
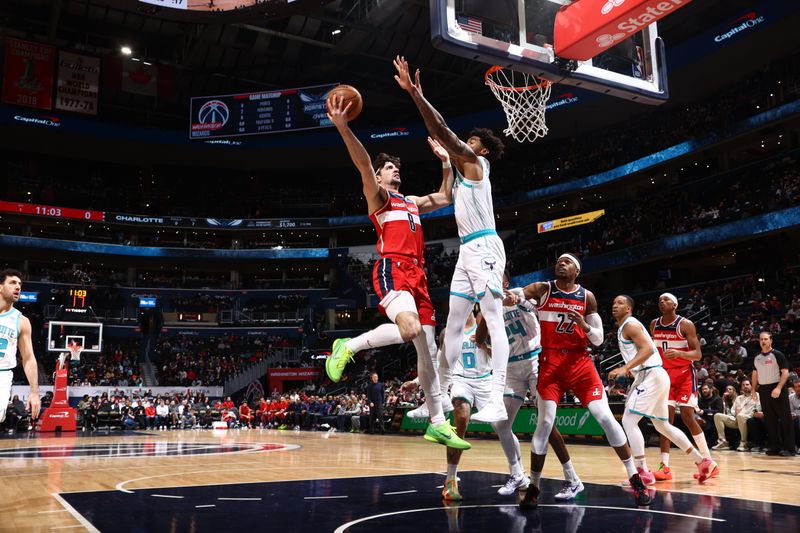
[544,425]
[630,422]
[602,413]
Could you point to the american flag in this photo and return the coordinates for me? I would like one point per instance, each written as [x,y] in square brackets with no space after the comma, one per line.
[470,24]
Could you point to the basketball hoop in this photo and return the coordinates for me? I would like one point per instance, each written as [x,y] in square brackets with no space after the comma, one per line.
[75,350]
[523,97]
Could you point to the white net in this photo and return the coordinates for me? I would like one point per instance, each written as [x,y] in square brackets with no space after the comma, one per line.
[523,97]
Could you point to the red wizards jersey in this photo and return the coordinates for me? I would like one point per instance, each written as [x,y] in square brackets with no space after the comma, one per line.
[669,337]
[399,228]
[558,331]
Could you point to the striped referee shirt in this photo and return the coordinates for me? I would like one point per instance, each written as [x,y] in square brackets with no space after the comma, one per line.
[769,366]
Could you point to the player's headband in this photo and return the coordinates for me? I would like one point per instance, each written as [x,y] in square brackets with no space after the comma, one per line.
[571,258]
[669,296]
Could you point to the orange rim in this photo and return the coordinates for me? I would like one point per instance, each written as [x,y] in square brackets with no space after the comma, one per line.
[496,68]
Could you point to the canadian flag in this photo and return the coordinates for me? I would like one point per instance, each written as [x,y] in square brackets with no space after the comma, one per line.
[140,77]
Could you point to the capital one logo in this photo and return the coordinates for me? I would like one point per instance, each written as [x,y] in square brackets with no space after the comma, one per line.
[610,5]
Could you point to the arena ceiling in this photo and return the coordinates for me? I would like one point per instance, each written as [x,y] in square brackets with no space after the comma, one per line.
[277,46]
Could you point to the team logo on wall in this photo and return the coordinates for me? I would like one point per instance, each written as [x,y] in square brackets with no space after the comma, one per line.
[212,115]
[138,449]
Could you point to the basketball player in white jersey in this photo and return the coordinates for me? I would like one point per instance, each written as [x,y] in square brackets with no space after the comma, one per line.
[524,341]
[481,257]
[15,334]
[472,386]
[649,392]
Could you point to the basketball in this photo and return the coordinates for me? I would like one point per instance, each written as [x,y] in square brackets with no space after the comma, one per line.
[349,94]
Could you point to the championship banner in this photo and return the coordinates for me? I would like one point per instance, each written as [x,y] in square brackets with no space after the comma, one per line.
[569,421]
[28,74]
[78,83]
[568,222]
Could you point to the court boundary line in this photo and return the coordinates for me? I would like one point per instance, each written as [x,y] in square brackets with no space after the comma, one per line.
[75,514]
[344,527]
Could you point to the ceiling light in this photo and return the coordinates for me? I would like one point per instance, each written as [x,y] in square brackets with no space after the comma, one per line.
[126,50]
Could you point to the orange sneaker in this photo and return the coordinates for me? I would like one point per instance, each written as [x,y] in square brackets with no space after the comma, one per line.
[662,473]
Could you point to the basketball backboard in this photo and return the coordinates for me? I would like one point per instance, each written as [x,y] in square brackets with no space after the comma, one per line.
[87,334]
[519,35]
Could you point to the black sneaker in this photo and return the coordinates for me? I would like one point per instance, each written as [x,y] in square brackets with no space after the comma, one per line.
[786,453]
[531,498]
[640,493]
[773,452]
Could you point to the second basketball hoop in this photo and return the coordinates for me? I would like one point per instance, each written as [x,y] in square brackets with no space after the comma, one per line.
[524,100]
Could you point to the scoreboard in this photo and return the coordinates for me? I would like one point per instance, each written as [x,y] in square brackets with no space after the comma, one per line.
[235,115]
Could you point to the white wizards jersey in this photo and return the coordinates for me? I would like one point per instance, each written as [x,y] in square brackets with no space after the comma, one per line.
[9,333]
[475,362]
[628,348]
[523,331]
[472,201]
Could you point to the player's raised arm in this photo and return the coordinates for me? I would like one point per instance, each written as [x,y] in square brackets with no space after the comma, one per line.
[337,112]
[29,365]
[435,123]
[444,196]
[536,291]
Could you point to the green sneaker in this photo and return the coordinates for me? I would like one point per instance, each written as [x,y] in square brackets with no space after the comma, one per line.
[338,359]
[450,491]
[445,434]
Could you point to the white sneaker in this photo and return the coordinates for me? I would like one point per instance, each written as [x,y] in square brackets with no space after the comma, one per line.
[423,412]
[514,484]
[569,490]
[491,412]
[721,445]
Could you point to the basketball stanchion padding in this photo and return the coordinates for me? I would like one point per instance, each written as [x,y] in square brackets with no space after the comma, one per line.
[524,99]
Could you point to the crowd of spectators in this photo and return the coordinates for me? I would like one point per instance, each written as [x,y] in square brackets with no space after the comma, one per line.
[692,206]
[116,366]
[195,361]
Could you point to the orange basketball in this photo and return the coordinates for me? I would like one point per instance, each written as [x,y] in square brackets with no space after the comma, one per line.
[348,94]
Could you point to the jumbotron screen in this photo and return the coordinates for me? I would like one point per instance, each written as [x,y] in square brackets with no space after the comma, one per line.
[234,115]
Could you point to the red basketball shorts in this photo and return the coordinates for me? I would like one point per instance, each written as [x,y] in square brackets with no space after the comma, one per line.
[559,372]
[397,274]
[682,386]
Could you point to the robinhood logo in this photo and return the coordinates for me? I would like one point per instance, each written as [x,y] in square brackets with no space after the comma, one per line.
[583,419]
[564,421]
[750,20]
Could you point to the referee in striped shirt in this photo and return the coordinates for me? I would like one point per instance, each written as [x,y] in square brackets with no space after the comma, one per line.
[770,373]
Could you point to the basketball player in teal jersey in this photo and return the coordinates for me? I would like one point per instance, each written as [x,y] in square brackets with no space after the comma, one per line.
[15,334]
[478,275]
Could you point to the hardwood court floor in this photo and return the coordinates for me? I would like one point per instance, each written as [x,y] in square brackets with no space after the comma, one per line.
[36,473]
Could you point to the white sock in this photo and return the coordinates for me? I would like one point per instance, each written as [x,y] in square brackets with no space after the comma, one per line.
[695,455]
[702,446]
[516,469]
[640,462]
[383,335]
[630,467]
[665,458]
[425,343]
[536,477]
[569,472]
[451,471]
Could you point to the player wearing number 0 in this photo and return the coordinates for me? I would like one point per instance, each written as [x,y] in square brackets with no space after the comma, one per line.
[677,343]
[524,341]
[649,392]
[478,275]
[569,319]
[15,334]
[398,276]
[472,387]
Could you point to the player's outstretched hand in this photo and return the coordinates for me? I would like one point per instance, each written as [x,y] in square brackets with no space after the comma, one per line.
[34,406]
[337,110]
[403,77]
[510,298]
[438,150]
[408,386]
